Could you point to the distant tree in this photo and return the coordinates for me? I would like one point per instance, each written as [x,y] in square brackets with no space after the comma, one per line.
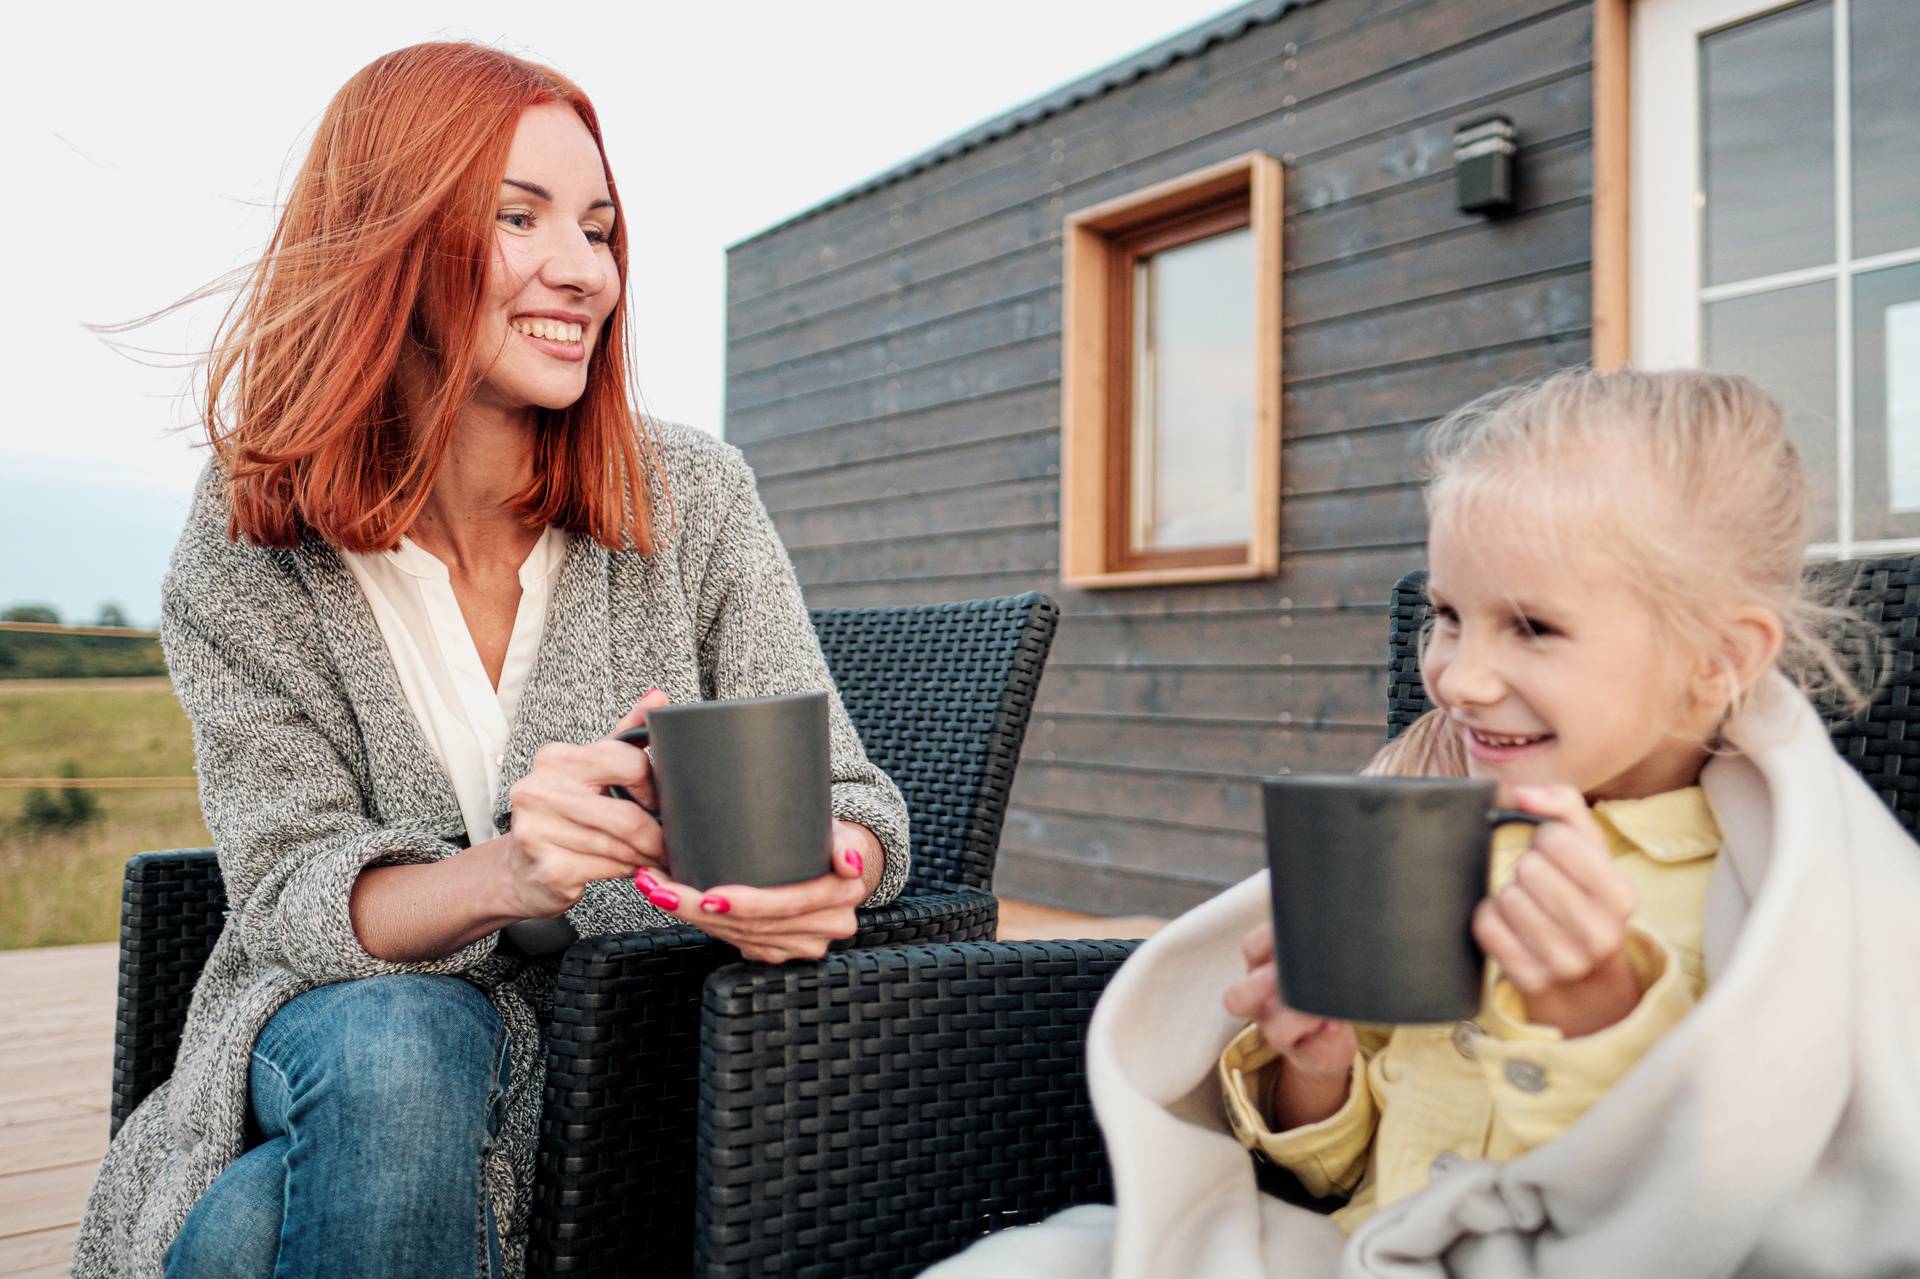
[30,613]
[65,809]
[112,614]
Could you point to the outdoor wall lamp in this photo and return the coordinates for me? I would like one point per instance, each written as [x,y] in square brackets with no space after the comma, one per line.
[1483,166]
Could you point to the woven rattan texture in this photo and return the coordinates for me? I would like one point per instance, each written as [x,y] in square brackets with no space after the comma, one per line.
[1882,742]
[614,1189]
[172,908]
[934,685]
[873,1114]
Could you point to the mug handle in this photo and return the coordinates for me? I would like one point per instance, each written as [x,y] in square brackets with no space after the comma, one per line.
[1499,817]
[639,736]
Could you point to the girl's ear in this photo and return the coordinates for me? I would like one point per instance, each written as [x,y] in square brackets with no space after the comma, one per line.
[1749,647]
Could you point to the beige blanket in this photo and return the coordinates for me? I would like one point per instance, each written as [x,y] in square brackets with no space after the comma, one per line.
[1775,1131]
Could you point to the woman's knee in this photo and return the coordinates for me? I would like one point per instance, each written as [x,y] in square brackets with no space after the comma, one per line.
[403,1050]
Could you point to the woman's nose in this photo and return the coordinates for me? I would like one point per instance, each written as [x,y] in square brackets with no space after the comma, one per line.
[574,265]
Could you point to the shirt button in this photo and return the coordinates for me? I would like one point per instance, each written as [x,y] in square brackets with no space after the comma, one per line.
[1527,1076]
[1465,1033]
[1443,1163]
[499,761]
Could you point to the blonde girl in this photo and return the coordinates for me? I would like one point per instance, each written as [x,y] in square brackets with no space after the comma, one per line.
[1695,1049]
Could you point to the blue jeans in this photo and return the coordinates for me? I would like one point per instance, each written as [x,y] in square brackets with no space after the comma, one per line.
[373,1103]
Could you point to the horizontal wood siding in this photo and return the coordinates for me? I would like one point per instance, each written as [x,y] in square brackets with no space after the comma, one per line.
[893,377]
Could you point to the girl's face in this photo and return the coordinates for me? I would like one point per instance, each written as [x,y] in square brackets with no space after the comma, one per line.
[553,282]
[1553,670]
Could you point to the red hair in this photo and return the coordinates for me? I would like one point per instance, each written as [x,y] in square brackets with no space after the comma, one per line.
[383,251]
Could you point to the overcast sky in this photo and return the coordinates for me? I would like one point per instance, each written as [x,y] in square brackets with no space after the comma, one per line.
[147,147]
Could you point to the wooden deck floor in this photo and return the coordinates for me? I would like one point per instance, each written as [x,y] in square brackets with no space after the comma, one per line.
[56,1067]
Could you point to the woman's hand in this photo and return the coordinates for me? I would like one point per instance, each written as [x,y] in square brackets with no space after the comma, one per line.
[773,925]
[1558,930]
[567,832]
[1317,1052]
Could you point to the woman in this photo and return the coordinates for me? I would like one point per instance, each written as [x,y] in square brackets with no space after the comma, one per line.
[435,565]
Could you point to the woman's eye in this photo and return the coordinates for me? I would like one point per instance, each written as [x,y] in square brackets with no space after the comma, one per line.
[518,221]
[596,236]
[1446,615]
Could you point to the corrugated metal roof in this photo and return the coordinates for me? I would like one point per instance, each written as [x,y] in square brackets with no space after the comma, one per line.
[1189,43]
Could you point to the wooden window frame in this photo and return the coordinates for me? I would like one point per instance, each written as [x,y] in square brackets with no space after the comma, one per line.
[1103,244]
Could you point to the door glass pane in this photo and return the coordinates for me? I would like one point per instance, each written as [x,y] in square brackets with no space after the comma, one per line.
[1886,126]
[1193,395]
[1766,144]
[1886,402]
[1784,340]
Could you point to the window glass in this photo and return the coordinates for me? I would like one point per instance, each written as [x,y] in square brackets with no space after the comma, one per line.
[1784,339]
[1766,144]
[1886,126]
[1193,395]
[1886,404]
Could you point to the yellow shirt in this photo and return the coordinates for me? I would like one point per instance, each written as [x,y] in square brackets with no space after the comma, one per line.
[1494,1088]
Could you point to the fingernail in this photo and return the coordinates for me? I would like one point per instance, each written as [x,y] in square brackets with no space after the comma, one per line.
[645,882]
[853,860]
[716,905]
[650,692]
[664,899]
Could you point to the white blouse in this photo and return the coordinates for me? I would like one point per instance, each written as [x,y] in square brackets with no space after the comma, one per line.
[462,716]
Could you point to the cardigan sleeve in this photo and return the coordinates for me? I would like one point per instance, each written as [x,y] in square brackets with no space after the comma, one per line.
[287,814]
[755,641]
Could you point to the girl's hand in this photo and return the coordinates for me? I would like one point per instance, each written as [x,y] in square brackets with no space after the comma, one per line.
[774,925]
[1317,1051]
[1558,930]
[566,832]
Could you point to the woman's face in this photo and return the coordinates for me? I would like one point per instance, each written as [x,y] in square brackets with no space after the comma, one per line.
[553,281]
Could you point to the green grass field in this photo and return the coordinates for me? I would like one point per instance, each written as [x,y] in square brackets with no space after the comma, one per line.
[63,887]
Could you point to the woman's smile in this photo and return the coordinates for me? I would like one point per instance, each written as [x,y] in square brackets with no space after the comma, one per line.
[553,334]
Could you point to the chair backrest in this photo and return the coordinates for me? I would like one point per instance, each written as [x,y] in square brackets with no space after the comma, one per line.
[941,694]
[1882,742]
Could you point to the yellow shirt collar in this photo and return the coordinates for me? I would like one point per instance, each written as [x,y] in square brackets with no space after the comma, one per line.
[1674,826]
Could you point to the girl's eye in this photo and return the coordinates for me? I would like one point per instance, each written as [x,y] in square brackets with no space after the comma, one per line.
[1532,628]
[1447,615]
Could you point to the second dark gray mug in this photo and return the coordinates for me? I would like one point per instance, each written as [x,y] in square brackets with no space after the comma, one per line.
[745,788]
[1374,882]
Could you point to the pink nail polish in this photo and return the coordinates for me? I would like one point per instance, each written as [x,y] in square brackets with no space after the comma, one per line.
[716,905]
[645,883]
[853,860]
[664,899]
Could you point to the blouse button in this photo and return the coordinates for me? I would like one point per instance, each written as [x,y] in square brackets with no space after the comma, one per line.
[1527,1076]
[500,761]
[1464,1035]
[1443,1163]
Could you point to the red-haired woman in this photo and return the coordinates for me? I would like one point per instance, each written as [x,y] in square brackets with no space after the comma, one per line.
[437,562]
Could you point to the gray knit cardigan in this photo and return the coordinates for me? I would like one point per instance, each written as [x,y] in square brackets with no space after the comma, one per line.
[312,768]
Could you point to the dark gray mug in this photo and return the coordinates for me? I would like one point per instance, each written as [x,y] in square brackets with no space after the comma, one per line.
[1374,881]
[745,788]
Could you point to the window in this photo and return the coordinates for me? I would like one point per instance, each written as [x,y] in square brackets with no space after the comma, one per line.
[1170,387]
[1776,231]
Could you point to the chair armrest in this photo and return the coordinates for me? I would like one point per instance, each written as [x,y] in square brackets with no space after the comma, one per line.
[172,908]
[874,1113]
[614,1187]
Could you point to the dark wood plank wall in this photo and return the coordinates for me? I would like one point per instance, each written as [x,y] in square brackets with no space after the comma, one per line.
[893,377]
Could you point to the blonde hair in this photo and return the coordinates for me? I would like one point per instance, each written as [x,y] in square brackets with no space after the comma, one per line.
[1428,747]
[1685,479]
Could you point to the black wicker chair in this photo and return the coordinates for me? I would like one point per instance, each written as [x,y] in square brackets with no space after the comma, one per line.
[940,694]
[858,1119]
[873,1113]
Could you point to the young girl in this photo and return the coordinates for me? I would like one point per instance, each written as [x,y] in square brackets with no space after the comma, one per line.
[1696,1048]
